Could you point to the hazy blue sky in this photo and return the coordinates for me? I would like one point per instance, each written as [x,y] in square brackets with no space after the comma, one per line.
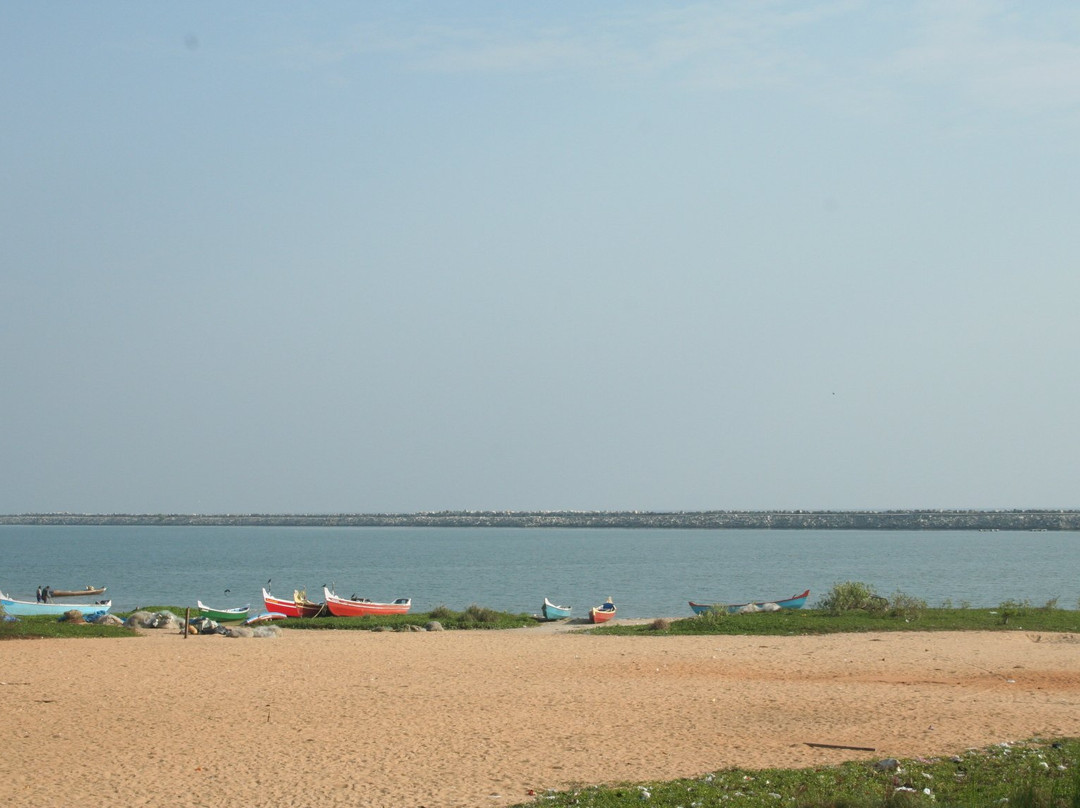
[284,257]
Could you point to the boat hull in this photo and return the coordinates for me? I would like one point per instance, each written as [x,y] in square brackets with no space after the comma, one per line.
[75,593]
[23,608]
[292,608]
[265,617]
[343,607]
[598,615]
[794,602]
[553,612]
[223,615]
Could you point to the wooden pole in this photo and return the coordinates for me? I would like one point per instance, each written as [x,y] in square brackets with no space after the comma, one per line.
[841,746]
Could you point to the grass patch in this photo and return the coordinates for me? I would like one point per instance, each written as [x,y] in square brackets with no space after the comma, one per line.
[38,627]
[854,607]
[819,621]
[1034,774]
[473,617]
[48,626]
[177,610]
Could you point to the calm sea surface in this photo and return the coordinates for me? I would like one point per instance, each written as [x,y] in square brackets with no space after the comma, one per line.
[648,573]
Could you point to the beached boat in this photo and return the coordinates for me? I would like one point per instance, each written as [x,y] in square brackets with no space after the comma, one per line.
[299,606]
[223,615]
[602,613]
[553,612]
[26,608]
[265,617]
[74,593]
[794,602]
[345,607]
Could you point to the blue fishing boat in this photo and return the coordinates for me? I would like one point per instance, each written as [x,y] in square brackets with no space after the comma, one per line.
[25,608]
[794,602]
[553,612]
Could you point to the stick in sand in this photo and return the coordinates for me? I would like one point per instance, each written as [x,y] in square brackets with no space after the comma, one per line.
[841,746]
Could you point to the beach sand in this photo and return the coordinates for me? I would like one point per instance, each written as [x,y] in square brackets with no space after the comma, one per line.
[443,719]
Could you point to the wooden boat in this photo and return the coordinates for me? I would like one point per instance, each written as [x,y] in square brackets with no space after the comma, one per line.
[299,606]
[223,615]
[553,612]
[794,602]
[74,593]
[265,617]
[344,607]
[25,608]
[602,613]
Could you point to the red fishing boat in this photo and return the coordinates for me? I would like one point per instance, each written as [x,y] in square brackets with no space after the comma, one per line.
[345,607]
[602,613]
[299,606]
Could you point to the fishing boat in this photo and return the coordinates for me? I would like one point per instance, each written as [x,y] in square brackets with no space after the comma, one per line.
[794,602]
[602,613]
[26,608]
[346,607]
[553,612]
[265,617]
[299,606]
[74,593]
[223,615]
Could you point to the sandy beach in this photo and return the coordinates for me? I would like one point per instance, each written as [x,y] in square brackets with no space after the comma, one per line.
[448,719]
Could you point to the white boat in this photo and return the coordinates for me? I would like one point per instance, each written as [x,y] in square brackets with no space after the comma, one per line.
[26,608]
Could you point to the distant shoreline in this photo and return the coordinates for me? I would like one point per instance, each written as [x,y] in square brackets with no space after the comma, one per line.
[1030,520]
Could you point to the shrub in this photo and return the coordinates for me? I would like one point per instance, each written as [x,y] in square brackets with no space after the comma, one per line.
[481,614]
[906,606]
[1012,608]
[660,624]
[441,613]
[716,613]
[851,596]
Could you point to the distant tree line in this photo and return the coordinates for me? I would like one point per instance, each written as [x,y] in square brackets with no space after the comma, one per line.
[1018,519]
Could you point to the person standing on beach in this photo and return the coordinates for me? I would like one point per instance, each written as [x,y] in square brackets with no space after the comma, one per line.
[40,596]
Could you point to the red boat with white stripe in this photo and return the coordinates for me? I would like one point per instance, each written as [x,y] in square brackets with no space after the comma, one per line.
[299,606]
[344,607]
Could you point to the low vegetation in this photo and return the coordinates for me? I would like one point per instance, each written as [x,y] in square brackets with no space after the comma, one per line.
[853,607]
[473,617]
[46,626]
[1032,774]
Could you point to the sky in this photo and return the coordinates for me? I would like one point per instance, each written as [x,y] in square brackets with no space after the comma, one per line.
[394,257]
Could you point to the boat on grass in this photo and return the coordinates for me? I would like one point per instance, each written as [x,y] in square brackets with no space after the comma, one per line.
[299,606]
[553,612]
[794,602]
[74,593]
[602,613]
[223,615]
[265,617]
[26,608]
[357,607]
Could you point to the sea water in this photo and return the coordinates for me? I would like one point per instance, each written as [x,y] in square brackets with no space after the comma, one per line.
[648,573]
